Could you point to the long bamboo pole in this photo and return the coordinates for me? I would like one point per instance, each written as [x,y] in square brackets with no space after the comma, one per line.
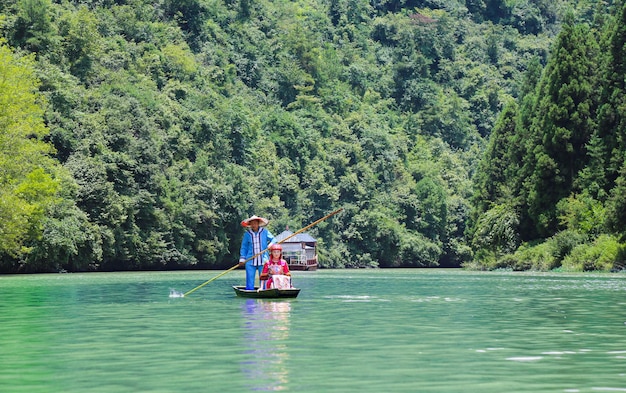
[261,252]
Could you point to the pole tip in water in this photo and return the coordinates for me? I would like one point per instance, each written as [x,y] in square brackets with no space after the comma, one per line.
[175,293]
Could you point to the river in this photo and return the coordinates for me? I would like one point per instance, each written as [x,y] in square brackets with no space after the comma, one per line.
[374,330]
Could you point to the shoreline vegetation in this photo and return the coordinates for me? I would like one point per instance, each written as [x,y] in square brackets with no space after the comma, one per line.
[605,253]
[136,134]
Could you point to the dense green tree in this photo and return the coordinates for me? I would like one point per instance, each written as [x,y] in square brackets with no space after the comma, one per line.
[33,27]
[80,40]
[582,213]
[70,242]
[29,177]
[499,164]
[616,205]
[564,120]
[611,143]
[497,230]
[613,122]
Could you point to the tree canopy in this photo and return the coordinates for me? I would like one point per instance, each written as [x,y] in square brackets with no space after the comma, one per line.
[451,132]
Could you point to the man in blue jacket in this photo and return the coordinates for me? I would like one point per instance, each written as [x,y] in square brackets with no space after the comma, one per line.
[255,240]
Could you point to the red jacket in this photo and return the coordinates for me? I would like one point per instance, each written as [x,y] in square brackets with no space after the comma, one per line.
[275,267]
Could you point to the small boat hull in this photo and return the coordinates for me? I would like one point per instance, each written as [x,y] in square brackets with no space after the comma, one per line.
[266,293]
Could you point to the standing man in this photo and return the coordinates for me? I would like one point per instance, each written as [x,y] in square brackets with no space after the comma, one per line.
[255,240]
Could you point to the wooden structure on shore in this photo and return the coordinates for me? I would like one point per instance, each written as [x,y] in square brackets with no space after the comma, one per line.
[300,251]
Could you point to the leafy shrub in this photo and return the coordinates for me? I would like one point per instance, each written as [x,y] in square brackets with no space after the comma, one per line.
[565,241]
[534,257]
[606,253]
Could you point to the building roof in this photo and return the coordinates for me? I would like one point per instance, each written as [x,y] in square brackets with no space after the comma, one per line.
[299,238]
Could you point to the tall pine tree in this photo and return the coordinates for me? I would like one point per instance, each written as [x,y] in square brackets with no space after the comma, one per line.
[562,124]
[612,122]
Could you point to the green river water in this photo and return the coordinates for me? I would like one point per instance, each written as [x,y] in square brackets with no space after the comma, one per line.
[366,331]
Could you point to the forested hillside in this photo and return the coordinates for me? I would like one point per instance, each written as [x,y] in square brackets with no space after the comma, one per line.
[550,189]
[137,134]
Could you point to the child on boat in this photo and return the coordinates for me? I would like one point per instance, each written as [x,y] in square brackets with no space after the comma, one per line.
[276,271]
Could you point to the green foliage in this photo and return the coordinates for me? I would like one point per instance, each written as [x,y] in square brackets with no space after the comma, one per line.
[536,257]
[80,40]
[497,230]
[564,123]
[68,242]
[176,119]
[616,205]
[28,176]
[569,176]
[539,256]
[418,251]
[565,241]
[33,28]
[375,234]
[606,253]
[496,177]
[583,214]
[612,124]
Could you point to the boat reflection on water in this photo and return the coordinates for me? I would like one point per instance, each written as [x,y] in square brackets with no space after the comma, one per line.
[266,327]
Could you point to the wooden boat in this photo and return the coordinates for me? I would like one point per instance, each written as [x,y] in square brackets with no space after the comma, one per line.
[272,293]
